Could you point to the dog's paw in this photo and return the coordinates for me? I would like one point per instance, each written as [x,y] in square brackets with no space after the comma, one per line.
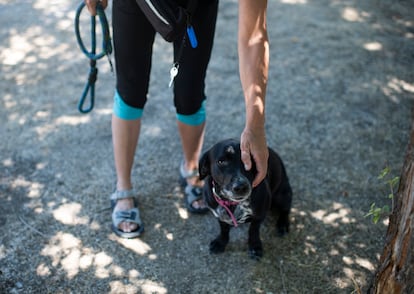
[255,246]
[217,246]
[255,253]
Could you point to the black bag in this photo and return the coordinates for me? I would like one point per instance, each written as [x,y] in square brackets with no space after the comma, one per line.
[169,18]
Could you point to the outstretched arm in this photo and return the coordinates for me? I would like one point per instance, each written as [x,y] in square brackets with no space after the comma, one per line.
[253,48]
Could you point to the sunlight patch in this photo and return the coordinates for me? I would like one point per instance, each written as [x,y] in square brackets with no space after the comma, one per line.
[359,261]
[43,270]
[154,131]
[400,85]
[9,101]
[135,245]
[126,287]
[68,214]
[133,274]
[71,263]
[2,251]
[347,260]
[23,43]
[64,24]
[42,114]
[365,263]
[352,15]
[395,87]
[152,287]
[17,50]
[20,182]
[35,190]
[310,249]
[94,225]
[67,252]
[333,218]
[86,261]
[294,1]
[373,46]
[102,261]
[72,120]
[46,129]
[182,212]
[8,162]
[48,5]
[104,111]
[60,245]
[117,270]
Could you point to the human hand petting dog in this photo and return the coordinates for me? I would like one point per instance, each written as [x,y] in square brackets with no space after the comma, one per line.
[253,146]
[91,4]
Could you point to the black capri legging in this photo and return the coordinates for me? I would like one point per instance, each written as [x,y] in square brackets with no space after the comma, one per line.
[133,39]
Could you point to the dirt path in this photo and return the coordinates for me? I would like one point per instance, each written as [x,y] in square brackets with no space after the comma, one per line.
[339,98]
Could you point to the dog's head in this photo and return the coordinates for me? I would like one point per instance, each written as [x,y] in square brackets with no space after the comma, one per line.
[223,164]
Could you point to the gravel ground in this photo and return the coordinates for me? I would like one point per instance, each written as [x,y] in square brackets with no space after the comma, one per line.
[339,104]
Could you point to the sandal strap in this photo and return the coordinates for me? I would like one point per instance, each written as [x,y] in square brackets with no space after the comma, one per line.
[188,173]
[130,216]
[124,194]
[193,193]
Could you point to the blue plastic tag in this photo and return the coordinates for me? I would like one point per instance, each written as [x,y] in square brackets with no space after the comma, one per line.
[192,37]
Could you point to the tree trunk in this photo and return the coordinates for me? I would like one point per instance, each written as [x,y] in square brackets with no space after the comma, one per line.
[395,273]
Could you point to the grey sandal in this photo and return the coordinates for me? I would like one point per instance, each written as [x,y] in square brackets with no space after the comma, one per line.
[191,193]
[130,215]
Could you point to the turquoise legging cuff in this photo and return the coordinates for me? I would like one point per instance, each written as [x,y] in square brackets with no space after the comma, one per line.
[193,119]
[126,112]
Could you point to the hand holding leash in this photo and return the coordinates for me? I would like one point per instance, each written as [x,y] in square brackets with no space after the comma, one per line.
[91,4]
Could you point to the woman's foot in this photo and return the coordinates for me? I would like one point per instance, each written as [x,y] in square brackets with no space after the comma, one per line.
[123,205]
[126,221]
[193,190]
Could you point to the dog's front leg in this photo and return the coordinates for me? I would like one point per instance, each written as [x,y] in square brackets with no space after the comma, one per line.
[255,244]
[218,245]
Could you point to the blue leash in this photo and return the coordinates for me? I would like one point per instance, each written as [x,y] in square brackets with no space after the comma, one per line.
[92,55]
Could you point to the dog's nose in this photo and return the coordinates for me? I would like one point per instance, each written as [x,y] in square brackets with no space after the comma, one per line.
[241,188]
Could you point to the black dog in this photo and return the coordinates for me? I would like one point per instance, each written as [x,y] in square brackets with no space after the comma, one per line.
[229,194]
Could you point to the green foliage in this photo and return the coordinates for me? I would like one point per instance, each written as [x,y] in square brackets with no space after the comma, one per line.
[376,213]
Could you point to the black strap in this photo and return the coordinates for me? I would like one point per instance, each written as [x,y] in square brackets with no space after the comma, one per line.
[191,7]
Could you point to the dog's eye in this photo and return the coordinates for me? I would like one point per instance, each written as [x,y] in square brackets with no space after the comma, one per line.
[221,162]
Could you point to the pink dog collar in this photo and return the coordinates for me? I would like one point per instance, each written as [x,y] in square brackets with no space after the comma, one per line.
[225,204]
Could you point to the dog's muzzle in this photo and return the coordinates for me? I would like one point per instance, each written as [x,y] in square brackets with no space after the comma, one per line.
[237,191]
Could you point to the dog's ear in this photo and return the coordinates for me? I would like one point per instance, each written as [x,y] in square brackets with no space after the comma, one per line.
[204,165]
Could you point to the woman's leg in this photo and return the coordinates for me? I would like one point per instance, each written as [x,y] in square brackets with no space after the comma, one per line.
[133,38]
[192,142]
[189,93]
[125,134]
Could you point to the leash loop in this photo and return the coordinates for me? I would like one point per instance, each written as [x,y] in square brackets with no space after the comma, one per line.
[92,55]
